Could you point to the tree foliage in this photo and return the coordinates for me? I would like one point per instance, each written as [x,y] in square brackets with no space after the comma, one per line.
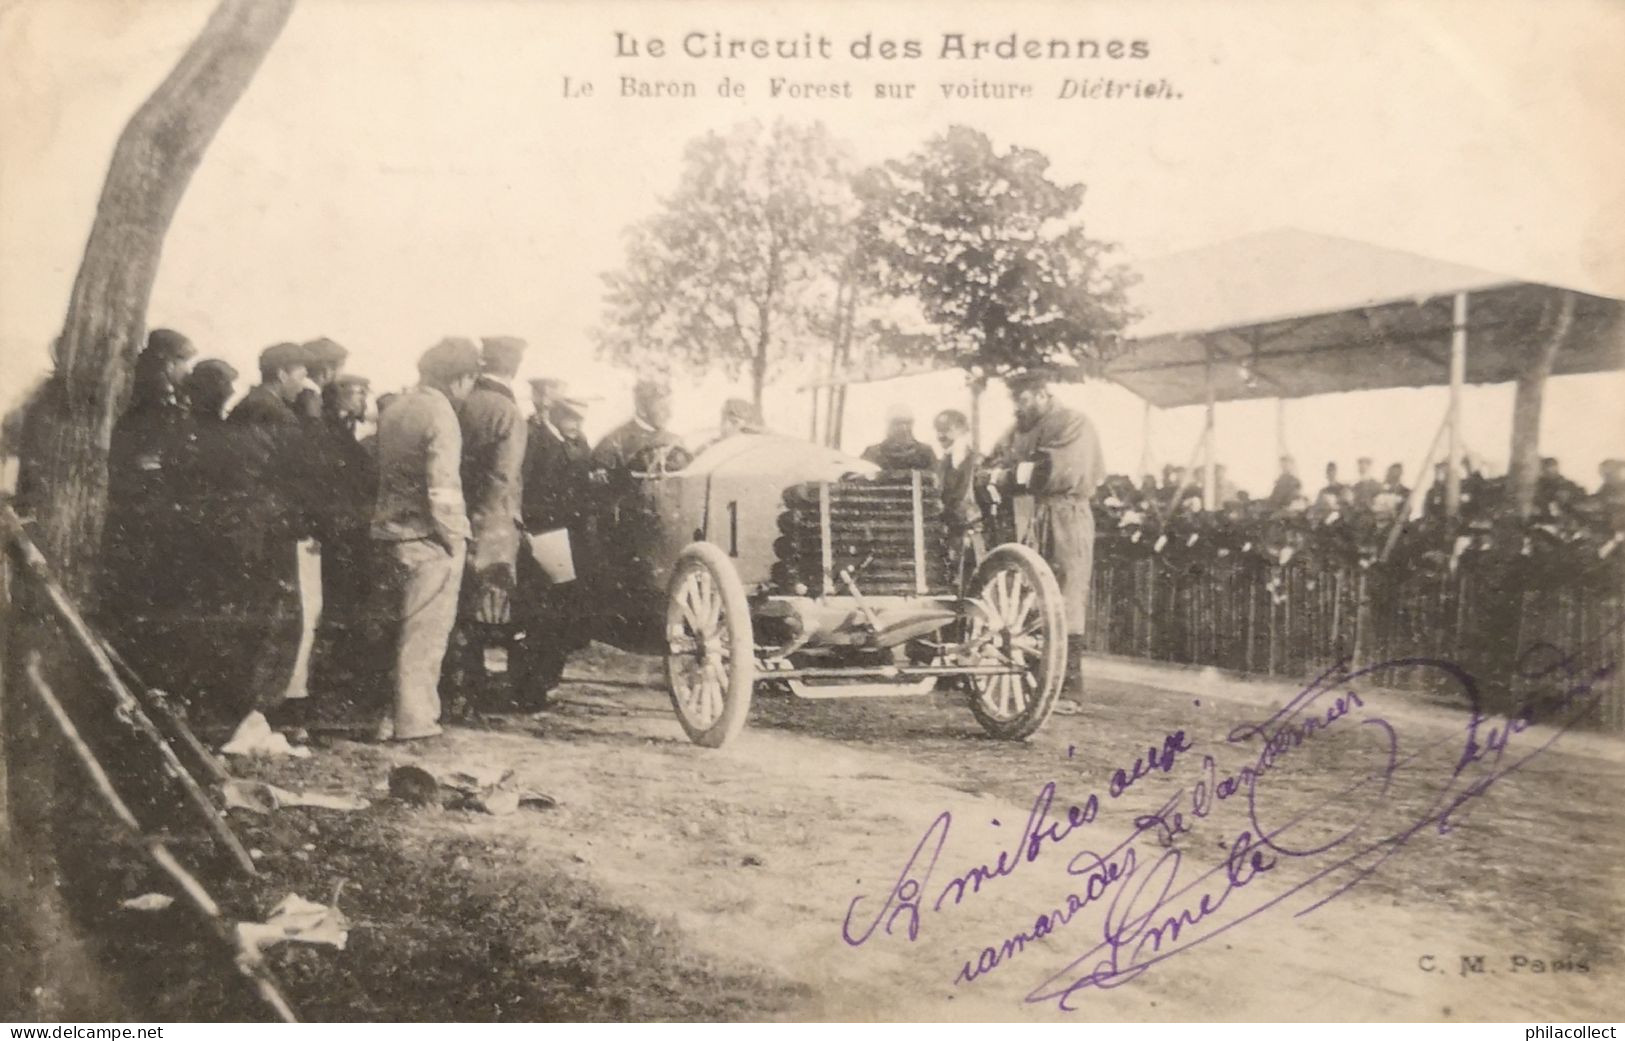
[993,252]
[740,265]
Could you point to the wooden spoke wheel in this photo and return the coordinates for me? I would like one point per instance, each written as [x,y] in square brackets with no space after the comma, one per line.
[710,649]
[1016,619]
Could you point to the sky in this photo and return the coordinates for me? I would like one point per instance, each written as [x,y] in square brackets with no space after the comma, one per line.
[405,169]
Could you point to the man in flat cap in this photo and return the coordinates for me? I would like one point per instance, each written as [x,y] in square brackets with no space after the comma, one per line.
[421,530]
[739,417]
[1054,455]
[144,543]
[343,659]
[277,460]
[900,449]
[324,360]
[559,486]
[492,470]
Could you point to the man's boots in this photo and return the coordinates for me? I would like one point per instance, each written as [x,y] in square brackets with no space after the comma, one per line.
[1070,702]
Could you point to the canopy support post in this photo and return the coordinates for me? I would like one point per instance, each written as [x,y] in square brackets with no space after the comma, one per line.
[1458,374]
[1145,440]
[1209,450]
[1280,428]
[1403,517]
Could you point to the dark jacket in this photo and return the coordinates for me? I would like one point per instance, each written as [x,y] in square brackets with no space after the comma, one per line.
[626,447]
[901,455]
[557,487]
[958,485]
[276,459]
[492,468]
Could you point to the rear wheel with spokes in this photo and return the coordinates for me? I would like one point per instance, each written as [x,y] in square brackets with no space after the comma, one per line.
[710,649]
[1016,619]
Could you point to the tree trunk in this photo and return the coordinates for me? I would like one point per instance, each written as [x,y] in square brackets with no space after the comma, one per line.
[64,459]
[1523,465]
[152,164]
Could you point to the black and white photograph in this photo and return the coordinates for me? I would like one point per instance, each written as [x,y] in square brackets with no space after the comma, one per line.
[864,511]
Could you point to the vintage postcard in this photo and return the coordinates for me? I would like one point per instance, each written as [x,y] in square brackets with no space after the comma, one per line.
[529,510]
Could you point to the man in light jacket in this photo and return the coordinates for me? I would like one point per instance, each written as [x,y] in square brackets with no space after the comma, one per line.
[421,525]
[493,468]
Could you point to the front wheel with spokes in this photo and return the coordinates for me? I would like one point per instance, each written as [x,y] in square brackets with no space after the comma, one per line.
[710,648]
[1015,619]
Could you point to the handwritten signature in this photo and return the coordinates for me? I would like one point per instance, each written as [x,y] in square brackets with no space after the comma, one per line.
[1154,904]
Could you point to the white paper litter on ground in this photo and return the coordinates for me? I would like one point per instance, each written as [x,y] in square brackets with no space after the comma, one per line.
[263,797]
[254,736]
[147,902]
[295,920]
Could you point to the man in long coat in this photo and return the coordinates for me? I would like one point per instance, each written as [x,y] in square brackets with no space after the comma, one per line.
[1054,455]
[276,461]
[145,547]
[492,467]
[641,444]
[559,484]
[345,658]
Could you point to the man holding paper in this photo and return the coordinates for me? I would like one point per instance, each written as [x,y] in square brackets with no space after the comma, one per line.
[559,484]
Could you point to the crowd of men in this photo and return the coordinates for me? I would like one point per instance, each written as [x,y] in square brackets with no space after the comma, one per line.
[1556,497]
[224,529]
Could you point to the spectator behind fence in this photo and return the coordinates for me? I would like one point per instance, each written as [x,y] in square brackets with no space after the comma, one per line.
[1335,494]
[1287,486]
[1392,495]
[1366,487]
[1555,494]
[420,525]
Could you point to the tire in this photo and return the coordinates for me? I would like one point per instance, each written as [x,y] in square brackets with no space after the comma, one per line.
[1009,625]
[710,648]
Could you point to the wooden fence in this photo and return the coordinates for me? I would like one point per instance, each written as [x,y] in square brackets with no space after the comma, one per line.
[1522,642]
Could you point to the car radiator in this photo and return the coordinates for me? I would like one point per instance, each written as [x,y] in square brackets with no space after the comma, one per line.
[887,530]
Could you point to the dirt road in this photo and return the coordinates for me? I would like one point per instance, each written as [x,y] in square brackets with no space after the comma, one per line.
[750,858]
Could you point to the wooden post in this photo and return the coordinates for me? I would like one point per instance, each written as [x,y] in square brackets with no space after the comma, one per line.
[252,967]
[1458,374]
[1280,428]
[1405,511]
[1210,482]
[1145,441]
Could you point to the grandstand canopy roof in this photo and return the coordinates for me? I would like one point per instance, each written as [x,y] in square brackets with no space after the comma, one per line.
[1291,314]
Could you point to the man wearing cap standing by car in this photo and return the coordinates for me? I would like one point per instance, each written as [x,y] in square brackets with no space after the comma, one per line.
[1054,455]
[560,482]
[420,529]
